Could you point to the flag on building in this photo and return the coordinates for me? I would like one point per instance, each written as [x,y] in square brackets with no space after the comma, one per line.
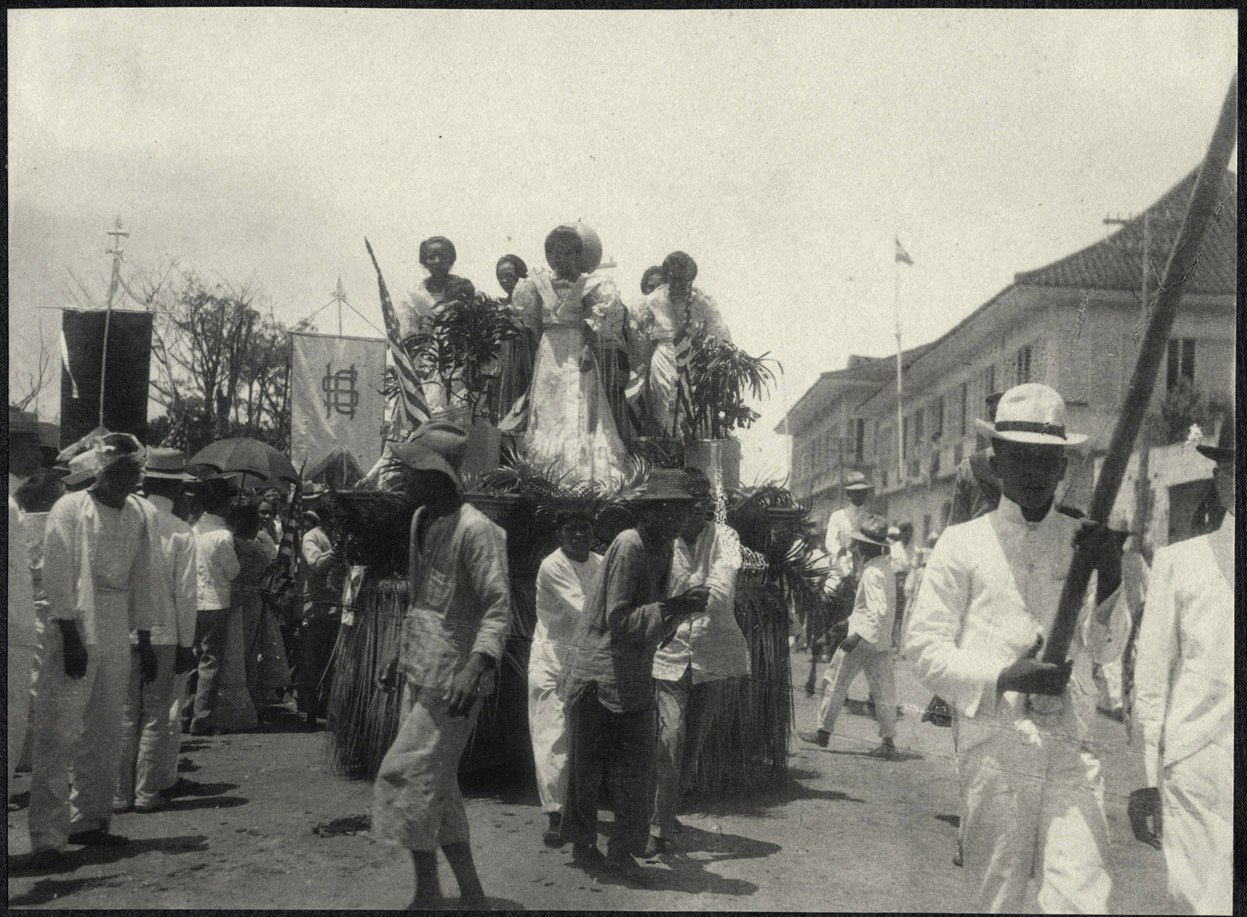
[336,402]
[413,409]
[901,255]
[125,381]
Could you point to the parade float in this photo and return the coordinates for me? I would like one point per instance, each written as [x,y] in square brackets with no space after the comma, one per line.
[459,346]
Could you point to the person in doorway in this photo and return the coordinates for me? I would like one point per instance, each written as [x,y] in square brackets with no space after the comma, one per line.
[563,580]
[1033,793]
[868,647]
[325,572]
[690,669]
[1184,706]
[608,682]
[24,460]
[97,573]
[458,618]
[152,722]
[217,565]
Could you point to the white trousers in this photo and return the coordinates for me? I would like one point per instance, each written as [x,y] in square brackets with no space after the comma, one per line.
[147,730]
[77,735]
[1034,811]
[844,667]
[416,802]
[21,671]
[547,726]
[1198,830]
[166,767]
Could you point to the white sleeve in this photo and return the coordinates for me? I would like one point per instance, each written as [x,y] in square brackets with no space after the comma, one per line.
[963,679]
[1153,667]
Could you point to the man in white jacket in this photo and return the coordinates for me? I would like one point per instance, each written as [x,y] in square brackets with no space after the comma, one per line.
[562,581]
[1184,706]
[96,570]
[1033,791]
[152,723]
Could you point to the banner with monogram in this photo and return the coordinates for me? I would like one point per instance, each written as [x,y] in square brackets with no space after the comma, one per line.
[336,400]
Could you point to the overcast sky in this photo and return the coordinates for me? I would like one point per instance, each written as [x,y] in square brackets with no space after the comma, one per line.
[783,150]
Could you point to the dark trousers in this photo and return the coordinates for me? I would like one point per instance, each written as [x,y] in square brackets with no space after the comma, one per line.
[211,627]
[619,746]
[312,678]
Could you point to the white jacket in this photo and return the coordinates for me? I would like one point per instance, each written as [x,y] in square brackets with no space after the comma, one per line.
[215,561]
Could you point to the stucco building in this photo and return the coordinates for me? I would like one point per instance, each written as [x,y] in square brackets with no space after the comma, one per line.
[1076,325]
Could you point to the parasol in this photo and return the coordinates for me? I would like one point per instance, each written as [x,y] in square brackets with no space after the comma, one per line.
[245,456]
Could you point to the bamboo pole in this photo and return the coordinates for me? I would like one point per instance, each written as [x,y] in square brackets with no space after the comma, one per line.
[1181,264]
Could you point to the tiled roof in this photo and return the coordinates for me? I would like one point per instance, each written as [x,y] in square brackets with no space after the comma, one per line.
[1114,263]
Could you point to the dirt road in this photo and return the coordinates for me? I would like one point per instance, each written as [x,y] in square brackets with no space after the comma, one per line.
[846,833]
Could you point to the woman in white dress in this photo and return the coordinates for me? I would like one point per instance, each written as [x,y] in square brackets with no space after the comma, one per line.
[571,315]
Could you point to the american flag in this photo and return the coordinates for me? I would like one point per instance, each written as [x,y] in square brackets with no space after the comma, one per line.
[683,345]
[410,395]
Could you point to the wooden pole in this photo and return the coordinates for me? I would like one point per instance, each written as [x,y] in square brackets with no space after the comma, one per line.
[1182,261]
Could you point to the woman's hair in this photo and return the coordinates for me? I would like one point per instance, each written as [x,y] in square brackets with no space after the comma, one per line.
[521,269]
[438,240]
[243,520]
[870,551]
[654,269]
[680,263]
[569,233]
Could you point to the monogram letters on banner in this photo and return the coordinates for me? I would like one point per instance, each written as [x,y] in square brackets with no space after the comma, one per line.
[335,397]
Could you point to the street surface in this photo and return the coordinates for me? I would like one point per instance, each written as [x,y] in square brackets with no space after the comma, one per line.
[847,833]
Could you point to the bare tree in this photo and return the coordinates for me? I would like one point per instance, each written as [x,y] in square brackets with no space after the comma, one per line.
[36,380]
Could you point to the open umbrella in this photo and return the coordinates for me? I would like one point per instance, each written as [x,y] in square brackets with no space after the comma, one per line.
[246,456]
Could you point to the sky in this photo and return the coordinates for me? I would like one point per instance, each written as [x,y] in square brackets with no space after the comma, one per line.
[784,150]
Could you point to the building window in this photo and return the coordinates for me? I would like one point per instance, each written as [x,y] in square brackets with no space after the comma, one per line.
[904,437]
[918,426]
[937,418]
[965,393]
[1023,364]
[1181,363]
[859,440]
[878,445]
[926,526]
[989,386]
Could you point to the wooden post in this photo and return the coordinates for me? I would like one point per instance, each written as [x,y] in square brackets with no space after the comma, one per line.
[1182,261]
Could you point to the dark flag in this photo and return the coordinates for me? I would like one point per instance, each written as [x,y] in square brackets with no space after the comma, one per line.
[125,384]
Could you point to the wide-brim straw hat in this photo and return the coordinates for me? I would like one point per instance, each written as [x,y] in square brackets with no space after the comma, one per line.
[855,480]
[82,468]
[167,465]
[1223,451]
[1032,414]
[435,446]
[872,530]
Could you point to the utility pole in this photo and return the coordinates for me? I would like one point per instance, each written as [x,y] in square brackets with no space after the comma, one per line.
[339,296]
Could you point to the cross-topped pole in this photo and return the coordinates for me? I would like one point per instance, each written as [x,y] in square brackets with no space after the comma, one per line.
[116,251]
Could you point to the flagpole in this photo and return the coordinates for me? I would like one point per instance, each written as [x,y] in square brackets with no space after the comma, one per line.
[896,314]
[118,234]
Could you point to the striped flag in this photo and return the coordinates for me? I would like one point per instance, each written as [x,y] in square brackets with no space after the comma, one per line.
[901,255]
[683,345]
[415,409]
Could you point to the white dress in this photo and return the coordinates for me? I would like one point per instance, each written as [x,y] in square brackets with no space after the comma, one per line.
[570,426]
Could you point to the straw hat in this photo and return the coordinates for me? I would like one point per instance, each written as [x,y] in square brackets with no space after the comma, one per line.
[873,530]
[435,446]
[167,464]
[1033,414]
[855,480]
[82,468]
[665,484]
[1224,449]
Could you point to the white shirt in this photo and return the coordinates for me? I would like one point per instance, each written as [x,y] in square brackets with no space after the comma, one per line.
[840,528]
[21,629]
[175,576]
[561,587]
[904,557]
[990,588]
[1184,673]
[874,604]
[215,561]
[711,642]
[95,558]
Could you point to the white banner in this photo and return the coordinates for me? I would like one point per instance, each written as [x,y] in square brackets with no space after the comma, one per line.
[335,398]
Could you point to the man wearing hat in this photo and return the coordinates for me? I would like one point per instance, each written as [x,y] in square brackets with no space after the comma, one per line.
[324,571]
[1184,705]
[868,646]
[453,635]
[635,605]
[81,474]
[1033,793]
[976,489]
[97,574]
[152,721]
[24,461]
